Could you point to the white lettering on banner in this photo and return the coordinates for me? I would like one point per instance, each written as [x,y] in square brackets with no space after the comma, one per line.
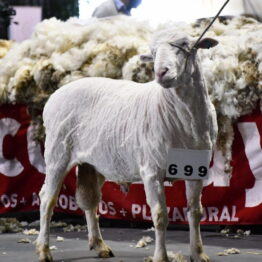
[105,208]
[233,217]
[35,199]
[123,212]
[251,139]
[141,210]
[212,213]
[64,201]
[34,151]
[72,203]
[136,210]
[217,176]
[175,214]
[13,167]
[9,201]
[23,201]
[224,214]
[102,207]
[67,202]
[111,208]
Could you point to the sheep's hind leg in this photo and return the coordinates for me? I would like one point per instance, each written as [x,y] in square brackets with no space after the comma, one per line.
[48,196]
[155,197]
[88,195]
[193,193]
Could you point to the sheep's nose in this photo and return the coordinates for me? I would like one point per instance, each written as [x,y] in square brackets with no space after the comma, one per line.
[162,72]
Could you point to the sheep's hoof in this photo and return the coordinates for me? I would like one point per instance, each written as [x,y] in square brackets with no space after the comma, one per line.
[44,254]
[106,253]
[100,247]
[200,258]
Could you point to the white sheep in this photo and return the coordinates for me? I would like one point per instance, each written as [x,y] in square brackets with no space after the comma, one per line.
[121,131]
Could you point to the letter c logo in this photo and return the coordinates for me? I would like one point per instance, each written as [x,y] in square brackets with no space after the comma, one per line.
[8,167]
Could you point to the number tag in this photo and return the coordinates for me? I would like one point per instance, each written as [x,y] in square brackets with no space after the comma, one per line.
[188,163]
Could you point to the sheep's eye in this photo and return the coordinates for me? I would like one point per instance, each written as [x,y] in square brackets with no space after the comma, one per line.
[182,45]
[173,44]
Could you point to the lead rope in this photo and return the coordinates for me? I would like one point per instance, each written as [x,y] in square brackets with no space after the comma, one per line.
[198,40]
[201,36]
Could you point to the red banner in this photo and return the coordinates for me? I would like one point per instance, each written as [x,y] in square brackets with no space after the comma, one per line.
[225,201]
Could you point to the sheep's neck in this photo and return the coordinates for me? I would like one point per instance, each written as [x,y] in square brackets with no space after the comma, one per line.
[188,103]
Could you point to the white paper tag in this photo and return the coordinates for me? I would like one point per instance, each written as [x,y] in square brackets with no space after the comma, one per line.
[188,164]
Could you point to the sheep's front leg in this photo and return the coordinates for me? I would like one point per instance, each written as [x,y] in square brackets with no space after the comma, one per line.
[155,196]
[193,193]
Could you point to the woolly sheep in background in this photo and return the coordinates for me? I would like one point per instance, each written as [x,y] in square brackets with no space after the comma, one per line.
[121,131]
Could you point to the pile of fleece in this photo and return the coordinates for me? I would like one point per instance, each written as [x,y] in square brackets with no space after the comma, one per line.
[233,72]
[5,45]
[60,52]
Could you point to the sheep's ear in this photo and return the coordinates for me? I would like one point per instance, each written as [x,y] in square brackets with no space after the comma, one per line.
[146,58]
[206,43]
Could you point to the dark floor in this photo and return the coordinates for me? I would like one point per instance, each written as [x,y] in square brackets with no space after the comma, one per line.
[123,240]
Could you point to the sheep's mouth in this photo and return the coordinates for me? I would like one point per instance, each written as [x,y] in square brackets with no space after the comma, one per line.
[167,82]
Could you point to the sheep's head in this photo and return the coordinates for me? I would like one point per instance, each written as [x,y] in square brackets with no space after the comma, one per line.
[175,57]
